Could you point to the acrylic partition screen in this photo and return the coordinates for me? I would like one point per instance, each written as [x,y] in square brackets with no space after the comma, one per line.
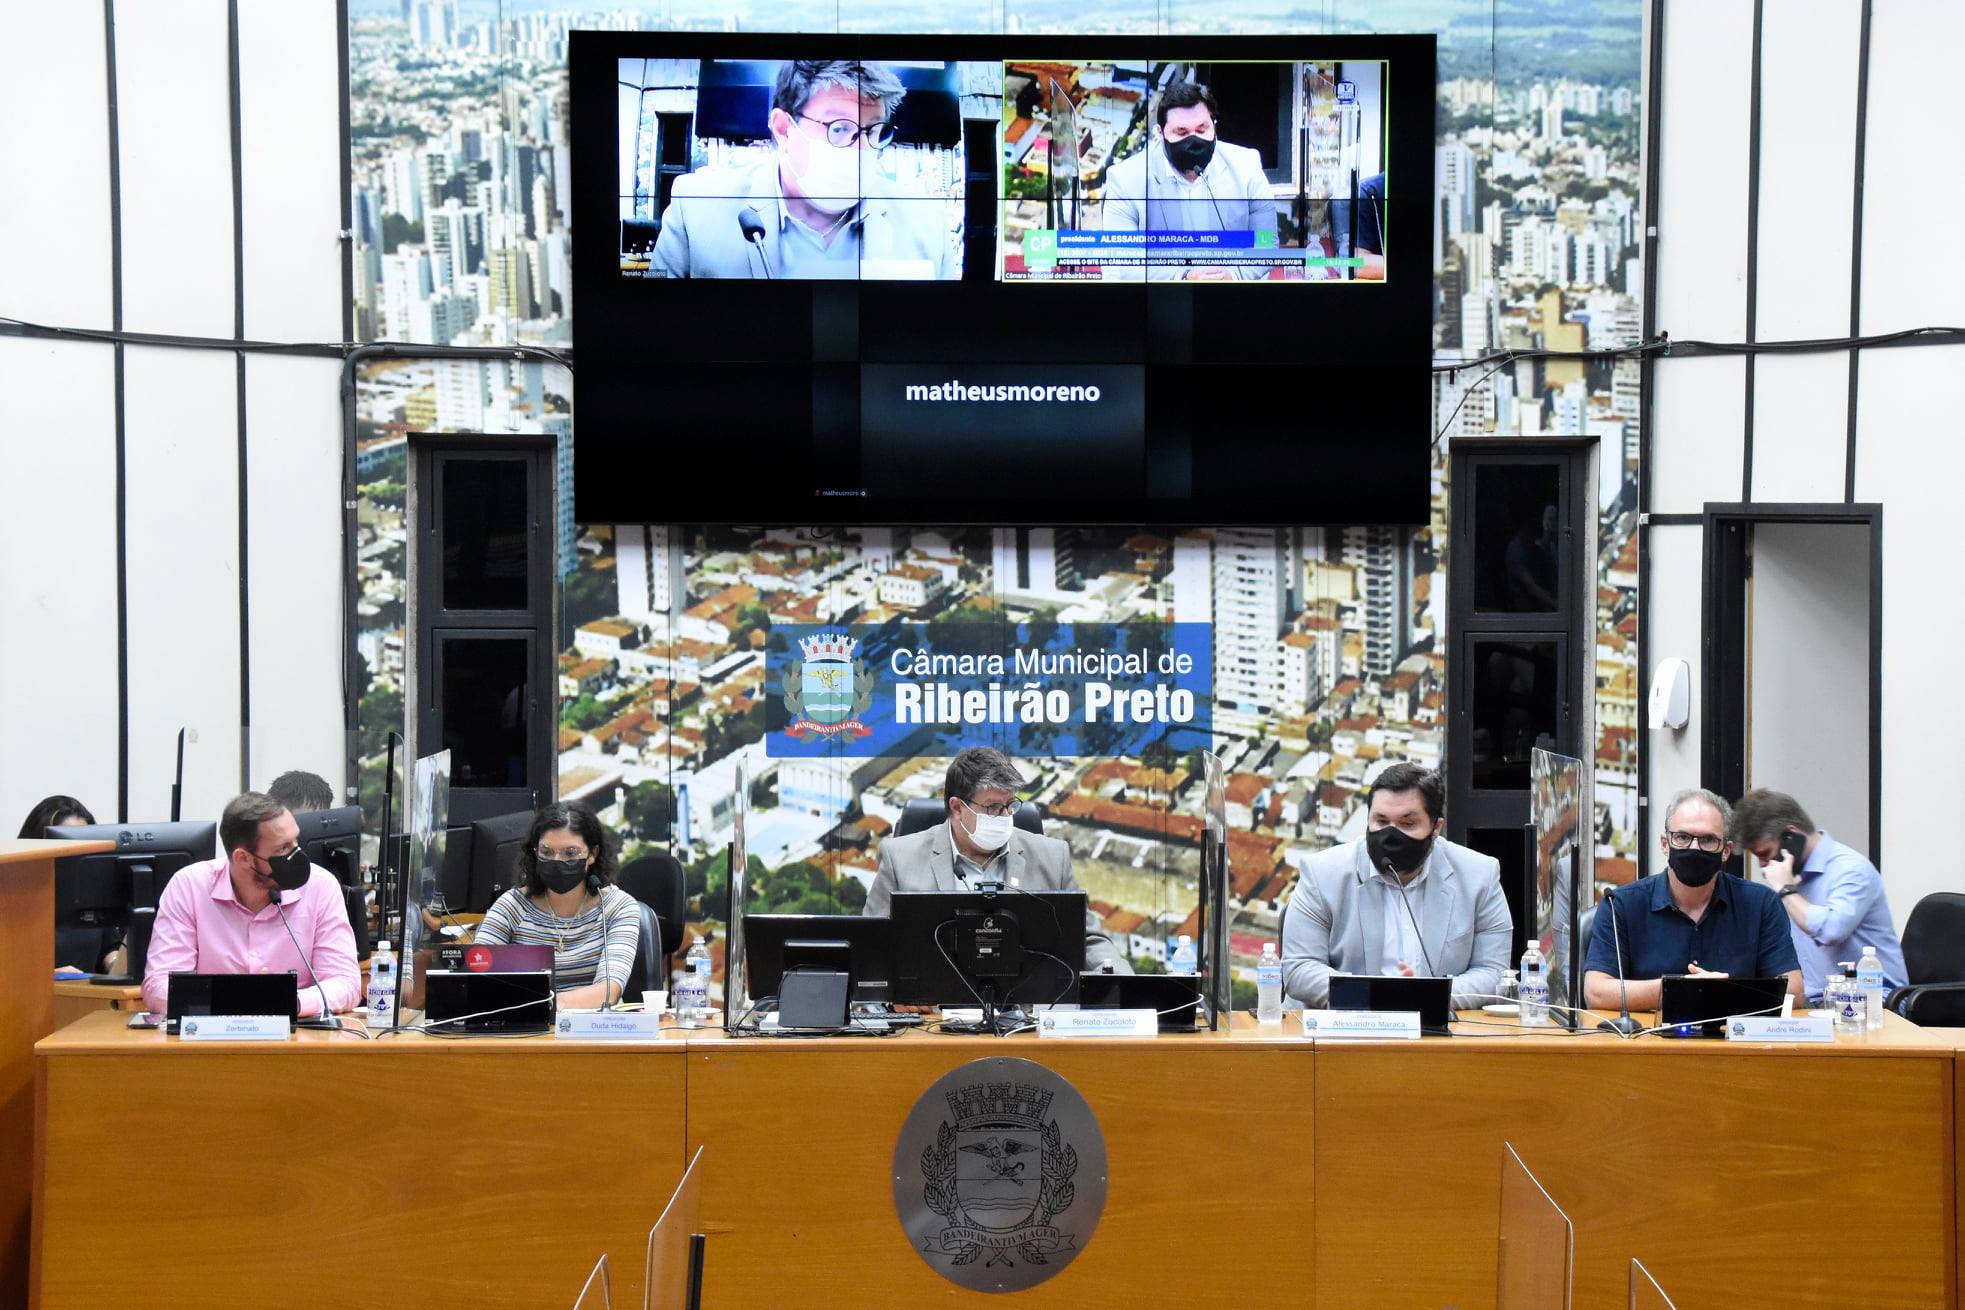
[667,1263]
[1645,1292]
[1537,1243]
[428,815]
[1556,800]
[1214,886]
[736,992]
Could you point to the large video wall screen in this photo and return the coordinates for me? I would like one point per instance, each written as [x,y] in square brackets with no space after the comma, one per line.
[823,279]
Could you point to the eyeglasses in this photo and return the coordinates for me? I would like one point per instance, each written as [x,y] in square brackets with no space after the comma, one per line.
[1705,841]
[844,132]
[545,854]
[993,811]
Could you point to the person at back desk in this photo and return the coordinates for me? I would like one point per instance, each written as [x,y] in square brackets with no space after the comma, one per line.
[566,899]
[225,915]
[981,844]
[1691,919]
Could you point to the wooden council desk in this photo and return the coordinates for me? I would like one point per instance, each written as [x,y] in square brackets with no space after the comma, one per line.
[1244,1165]
[27,959]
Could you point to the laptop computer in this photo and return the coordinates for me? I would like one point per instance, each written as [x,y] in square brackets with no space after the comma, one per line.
[495,959]
[1690,1005]
[195,995]
[1432,998]
[504,1004]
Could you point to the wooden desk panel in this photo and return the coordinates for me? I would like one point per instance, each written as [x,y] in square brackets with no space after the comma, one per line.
[78,998]
[27,962]
[1209,1170]
[1704,1160]
[327,1172]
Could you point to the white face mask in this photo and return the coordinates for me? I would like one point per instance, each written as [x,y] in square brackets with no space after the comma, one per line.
[991,831]
[830,181]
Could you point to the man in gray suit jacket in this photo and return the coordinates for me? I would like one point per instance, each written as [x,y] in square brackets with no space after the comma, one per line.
[812,209]
[981,844]
[1403,900]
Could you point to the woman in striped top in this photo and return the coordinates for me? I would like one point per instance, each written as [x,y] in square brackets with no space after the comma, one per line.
[567,900]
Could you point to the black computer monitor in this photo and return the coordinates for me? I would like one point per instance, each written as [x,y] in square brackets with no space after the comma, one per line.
[776,945]
[495,843]
[96,893]
[987,948]
[333,840]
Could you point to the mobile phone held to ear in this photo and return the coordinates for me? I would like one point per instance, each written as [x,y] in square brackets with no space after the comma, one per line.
[1795,843]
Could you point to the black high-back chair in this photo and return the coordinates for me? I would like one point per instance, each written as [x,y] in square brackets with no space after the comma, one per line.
[656,881]
[919,816]
[1934,960]
[649,962]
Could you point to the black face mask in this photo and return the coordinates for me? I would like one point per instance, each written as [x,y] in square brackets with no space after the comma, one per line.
[1694,867]
[1389,846]
[291,871]
[561,876]
[1190,154]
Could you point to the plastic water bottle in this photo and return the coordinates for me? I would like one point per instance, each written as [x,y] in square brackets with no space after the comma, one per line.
[1269,986]
[1184,959]
[1534,988]
[692,993]
[382,986]
[1869,978]
[1848,1001]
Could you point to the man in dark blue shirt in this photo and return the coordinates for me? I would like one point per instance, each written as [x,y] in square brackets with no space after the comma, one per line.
[1689,919]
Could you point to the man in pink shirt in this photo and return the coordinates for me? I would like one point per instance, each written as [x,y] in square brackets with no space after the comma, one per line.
[220,916]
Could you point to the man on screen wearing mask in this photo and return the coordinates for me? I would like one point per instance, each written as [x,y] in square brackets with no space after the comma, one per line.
[1185,180]
[245,911]
[981,844]
[818,205]
[1401,901]
[1693,918]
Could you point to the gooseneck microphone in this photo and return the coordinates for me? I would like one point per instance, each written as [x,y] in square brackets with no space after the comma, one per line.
[1392,876]
[329,1019]
[753,229]
[1623,1023]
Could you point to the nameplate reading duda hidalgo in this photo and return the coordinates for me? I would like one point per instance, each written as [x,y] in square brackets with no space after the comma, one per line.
[999,1175]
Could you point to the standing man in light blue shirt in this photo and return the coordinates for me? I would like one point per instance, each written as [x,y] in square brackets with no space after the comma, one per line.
[1834,899]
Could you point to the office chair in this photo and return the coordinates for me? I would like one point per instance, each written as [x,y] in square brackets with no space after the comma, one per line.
[656,881]
[650,960]
[1934,959]
[919,816]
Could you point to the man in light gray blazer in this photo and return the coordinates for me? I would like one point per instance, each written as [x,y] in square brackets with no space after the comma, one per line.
[1403,900]
[981,844]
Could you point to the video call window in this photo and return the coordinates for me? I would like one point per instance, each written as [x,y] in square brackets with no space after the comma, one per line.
[1164,171]
[796,170]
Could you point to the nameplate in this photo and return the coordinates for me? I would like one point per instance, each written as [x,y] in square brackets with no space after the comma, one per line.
[1773,1028]
[1097,1023]
[609,1026]
[1365,1025]
[235,1028]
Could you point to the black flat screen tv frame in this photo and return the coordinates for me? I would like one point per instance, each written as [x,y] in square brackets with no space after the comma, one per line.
[729,402]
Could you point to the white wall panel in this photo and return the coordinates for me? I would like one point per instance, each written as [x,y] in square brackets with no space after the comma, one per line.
[1807,167]
[1671,758]
[1913,189]
[173,110]
[1909,457]
[183,526]
[290,171]
[58,696]
[1698,409]
[293,469]
[53,76]
[1702,197]
[1801,429]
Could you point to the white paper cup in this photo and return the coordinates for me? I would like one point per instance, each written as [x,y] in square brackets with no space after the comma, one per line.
[655,1002]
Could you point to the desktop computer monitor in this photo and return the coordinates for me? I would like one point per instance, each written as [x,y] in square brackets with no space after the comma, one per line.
[988,948]
[96,894]
[494,845]
[333,840]
[780,947]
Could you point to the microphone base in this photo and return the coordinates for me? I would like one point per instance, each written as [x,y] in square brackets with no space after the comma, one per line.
[1624,1024]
